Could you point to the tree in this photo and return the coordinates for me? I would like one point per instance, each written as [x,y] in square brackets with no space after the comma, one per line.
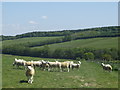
[106,57]
[79,53]
[69,54]
[89,56]
[58,53]
[45,52]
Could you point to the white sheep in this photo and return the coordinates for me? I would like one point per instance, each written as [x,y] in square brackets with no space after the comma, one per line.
[54,65]
[44,65]
[74,65]
[19,62]
[30,72]
[65,65]
[106,67]
[29,63]
[70,63]
[37,63]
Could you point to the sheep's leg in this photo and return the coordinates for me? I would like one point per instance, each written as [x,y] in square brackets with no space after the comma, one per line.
[25,67]
[48,69]
[61,69]
[31,79]
[28,79]
[68,69]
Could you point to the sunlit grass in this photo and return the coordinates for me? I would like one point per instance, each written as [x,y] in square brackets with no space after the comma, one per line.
[90,75]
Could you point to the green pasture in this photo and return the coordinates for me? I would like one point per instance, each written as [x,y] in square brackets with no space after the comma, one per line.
[26,40]
[90,75]
[98,43]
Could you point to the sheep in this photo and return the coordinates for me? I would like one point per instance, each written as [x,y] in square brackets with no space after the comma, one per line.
[79,62]
[37,63]
[54,65]
[30,72]
[74,65]
[70,63]
[29,63]
[19,62]
[106,67]
[44,65]
[65,65]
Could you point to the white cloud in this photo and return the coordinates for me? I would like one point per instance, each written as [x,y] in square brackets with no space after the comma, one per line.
[44,17]
[32,22]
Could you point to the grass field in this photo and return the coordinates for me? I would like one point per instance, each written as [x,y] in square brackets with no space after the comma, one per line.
[27,40]
[98,43]
[90,75]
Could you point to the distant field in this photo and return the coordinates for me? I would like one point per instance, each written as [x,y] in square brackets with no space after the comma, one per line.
[90,75]
[27,40]
[109,42]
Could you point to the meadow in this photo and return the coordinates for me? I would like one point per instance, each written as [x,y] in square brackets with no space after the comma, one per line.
[26,41]
[97,43]
[90,75]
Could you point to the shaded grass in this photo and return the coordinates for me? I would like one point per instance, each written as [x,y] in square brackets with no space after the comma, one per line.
[90,75]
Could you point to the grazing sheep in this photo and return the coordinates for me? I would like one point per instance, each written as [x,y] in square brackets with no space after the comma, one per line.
[37,63]
[106,67]
[30,73]
[70,63]
[19,62]
[44,65]
[65,65]
[54,65]
[74,65]
[29,63]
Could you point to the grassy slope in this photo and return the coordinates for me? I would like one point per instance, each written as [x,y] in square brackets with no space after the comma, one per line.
[27,40]
[111,42]
[90,75]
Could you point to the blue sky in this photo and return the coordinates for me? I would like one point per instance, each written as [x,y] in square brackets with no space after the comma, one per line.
[23,17]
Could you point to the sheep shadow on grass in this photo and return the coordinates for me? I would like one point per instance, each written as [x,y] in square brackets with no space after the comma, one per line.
[23,81]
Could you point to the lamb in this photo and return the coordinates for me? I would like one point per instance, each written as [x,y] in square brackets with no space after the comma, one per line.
[30,72]
[106,67]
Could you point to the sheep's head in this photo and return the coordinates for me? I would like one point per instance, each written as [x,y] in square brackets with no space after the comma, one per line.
[15,59]
[13,63]
[78,65]
[43,61]
[79,62]
[30,67]
[102,64]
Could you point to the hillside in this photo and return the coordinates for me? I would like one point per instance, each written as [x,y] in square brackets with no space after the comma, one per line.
[95,43]
[98,43]
[27,41]
[72,34]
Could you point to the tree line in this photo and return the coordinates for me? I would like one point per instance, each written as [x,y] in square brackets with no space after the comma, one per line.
[68,35]
[71,34]
[62,53]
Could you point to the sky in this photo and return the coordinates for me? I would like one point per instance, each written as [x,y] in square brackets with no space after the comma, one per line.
[23,17]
